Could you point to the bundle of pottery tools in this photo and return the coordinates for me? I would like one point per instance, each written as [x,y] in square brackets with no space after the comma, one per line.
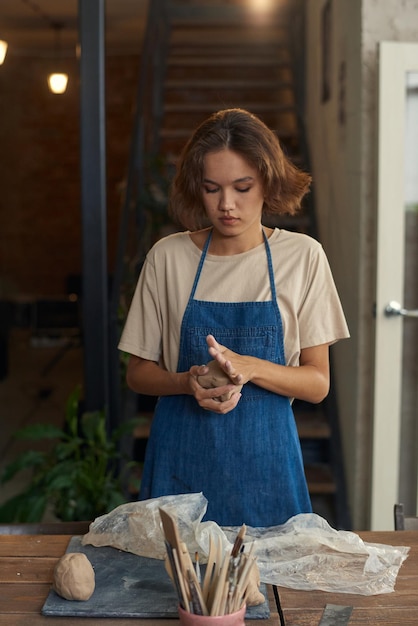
[226,578]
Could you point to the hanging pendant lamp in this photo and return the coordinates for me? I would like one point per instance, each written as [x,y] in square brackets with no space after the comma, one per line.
[3,50]
[57,81]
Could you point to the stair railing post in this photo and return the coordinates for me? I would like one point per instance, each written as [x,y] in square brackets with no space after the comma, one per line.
[132,219]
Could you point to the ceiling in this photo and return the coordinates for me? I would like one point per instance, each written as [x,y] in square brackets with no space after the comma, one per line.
[28,26]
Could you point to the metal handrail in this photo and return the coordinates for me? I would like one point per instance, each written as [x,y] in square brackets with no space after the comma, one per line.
[144,141]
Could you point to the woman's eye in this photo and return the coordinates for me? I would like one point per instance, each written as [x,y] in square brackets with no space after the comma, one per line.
[211,189]
[244,190]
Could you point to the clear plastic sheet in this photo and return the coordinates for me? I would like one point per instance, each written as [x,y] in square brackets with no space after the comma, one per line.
[304,553]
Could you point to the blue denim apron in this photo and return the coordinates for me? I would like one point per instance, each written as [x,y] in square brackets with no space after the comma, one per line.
[247,463]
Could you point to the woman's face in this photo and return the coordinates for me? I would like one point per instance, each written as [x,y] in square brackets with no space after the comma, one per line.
[232,193]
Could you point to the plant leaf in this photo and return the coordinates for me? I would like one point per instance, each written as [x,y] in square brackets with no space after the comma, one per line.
[71,411]
[126,428]
[93,425]
[40,431]
[66,449]
[26,507]
[9,510]
[28,459]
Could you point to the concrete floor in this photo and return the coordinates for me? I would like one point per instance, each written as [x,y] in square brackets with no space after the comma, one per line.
[42,372]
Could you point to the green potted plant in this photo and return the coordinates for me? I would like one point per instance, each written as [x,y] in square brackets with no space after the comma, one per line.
[78,477]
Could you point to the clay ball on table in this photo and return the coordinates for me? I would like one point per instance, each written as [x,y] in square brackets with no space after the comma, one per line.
[74,577]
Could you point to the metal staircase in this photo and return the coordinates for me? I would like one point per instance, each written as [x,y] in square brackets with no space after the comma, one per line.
[215,58]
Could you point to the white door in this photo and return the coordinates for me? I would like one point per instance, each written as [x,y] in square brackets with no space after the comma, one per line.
[395,425]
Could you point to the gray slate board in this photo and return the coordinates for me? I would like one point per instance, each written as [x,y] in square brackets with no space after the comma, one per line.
[127,585]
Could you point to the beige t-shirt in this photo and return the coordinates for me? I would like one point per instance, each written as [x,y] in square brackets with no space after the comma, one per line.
[308,301]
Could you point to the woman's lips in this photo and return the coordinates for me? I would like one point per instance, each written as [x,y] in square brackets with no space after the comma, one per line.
[228,221]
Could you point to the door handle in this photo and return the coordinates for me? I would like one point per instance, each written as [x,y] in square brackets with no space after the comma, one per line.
[394,308]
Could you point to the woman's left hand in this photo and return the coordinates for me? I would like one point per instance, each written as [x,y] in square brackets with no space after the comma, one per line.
[308,381]
[236,366]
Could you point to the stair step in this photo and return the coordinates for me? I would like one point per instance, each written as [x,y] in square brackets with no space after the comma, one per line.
[225,96]
[229,72]
[228,84]
[275,32]
[227,93]
[299,223]
[285,122]
[320,479]
[229,69]
[172,146]
[143,429]
[209,107]
[319,476]
[312,425]
[222,46]
[222,61]
[184,133]
[227,49]
[224,15]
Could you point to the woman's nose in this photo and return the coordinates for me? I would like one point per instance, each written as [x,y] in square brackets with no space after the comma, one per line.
[227,202]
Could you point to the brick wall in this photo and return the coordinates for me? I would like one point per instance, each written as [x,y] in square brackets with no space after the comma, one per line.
[40,219]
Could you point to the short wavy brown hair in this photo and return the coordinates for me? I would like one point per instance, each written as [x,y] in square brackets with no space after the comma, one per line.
[239,130]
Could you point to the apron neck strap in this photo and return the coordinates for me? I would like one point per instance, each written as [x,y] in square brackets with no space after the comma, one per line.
[270,266]
[202,259]
[269,263]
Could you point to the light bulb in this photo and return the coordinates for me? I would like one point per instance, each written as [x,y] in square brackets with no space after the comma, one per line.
[58,82]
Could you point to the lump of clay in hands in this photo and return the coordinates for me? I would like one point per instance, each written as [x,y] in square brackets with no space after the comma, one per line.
[216,377]
[74,577]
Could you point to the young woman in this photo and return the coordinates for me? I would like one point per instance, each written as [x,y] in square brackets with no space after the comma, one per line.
[259,301]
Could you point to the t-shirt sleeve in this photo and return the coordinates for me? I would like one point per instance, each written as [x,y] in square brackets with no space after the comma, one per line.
[141,334]
[321,317]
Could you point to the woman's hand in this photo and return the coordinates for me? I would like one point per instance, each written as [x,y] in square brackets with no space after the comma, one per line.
[212,398]
[237,367]
[148,377]
[308,381]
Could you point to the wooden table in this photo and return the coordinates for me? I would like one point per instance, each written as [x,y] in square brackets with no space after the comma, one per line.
[27,563]
[26,569]
[400,608]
